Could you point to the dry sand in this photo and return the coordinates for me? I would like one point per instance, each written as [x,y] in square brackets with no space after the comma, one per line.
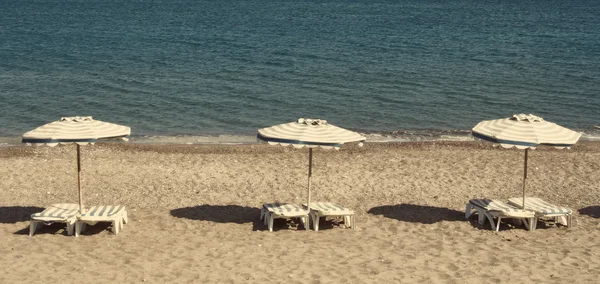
[194,214]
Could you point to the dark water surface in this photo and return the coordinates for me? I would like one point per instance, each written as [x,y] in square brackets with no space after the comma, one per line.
[197,68]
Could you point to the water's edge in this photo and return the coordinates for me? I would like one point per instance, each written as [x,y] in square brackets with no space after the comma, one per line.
[592,134]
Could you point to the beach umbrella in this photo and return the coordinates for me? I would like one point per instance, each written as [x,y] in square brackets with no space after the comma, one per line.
[525,131]
[309,133]
[81,130]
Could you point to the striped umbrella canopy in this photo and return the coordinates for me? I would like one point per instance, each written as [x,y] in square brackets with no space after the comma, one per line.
[525,131]
[310,133]
[81,130]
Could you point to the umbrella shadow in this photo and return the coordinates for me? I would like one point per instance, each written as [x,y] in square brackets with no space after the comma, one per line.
[591,211]
[97,228]
[52,229]
[280,224]
[15,214]
[418,213]
[231,214]
[327,223]
[219,213]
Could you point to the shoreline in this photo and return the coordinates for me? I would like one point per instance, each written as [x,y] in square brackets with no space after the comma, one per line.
[372,138]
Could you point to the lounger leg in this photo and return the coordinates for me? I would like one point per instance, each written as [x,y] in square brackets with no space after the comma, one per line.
[125,217]
[32,227]
[78,228]
[120,223]
[305,222]
[115,226]
[307,225]
[491,219]
[528,223]
[569,221]
[70,228]
[532,223]
[315,220]
[563,220]
[270,223]
[468,211]
[348,221]
[498,224]
[481,216]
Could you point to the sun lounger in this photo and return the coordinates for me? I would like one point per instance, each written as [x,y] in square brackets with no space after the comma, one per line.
[272,211]
[117,215]
[59,213]
[323,209]
[497,209]
[544,209]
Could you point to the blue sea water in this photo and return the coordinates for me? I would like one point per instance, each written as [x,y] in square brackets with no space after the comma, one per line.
[202,68]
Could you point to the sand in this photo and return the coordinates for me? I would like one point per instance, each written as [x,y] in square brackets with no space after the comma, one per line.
[194,214]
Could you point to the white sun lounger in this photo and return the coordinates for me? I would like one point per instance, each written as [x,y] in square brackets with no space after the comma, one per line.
[322,209]
[59,213]
[117,215]
[544,209]
[272,211]
[497,209]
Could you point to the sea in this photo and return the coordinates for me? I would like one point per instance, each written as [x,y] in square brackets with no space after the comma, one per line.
[208,71]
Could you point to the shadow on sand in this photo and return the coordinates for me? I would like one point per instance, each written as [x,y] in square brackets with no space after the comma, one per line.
[418,213]
[219,213]
[52,229]
[15,214]
[591,211]
[231,214]
[98,228]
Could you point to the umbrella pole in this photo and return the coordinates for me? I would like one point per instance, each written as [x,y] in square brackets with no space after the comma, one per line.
[310,150]
[525,176]
[79,178]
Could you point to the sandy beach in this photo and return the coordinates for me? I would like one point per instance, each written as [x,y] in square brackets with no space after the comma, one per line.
[194,214]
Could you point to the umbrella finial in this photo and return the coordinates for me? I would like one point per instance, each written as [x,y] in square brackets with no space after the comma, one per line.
[312,121]
[527,117]
[77,118]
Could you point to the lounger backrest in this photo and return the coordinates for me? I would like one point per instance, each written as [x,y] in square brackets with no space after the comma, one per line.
[328,207]
[103,211]
[494,205]
[540,206]
[284,208]
[59,211]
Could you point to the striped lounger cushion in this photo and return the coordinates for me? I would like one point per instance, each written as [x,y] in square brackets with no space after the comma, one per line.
[62,213]
[110,213]
[540,206]
[321,209]
[497,209]
[285,209]
[500,207]
[330,209]
[544,209]
[101,213]
[57,212]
